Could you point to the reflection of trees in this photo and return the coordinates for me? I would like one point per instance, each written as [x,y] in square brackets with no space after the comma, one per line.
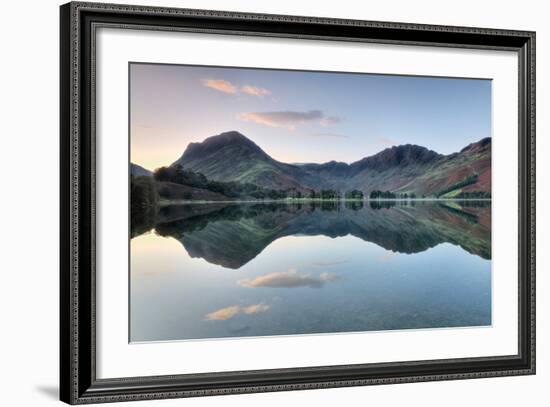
[354,205]
[143,205]
[189,218]
[474,204]
[386,204]
[196,216]
[232,235]
[328,205]
[382,204]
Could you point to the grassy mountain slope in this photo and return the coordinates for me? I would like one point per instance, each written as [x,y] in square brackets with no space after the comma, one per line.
[408,168]
[473,162]
[231,156]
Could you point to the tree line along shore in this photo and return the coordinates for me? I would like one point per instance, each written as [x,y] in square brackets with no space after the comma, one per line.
[176,185]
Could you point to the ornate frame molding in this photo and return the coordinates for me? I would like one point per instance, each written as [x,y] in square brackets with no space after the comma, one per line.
[79,21]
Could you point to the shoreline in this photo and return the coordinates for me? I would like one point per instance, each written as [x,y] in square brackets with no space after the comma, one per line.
[309,200]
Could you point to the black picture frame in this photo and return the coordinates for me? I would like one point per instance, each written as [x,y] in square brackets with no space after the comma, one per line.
[78,382]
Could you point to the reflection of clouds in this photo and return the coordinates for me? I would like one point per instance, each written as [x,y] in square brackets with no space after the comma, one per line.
[288,279]
[223,314]
[329,263]
[253,309]
[387,256]
[229,312]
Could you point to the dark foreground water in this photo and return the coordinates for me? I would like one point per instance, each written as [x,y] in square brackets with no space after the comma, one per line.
[218,270]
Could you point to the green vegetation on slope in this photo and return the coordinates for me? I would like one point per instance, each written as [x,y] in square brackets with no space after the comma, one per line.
[232,190]
[472,179]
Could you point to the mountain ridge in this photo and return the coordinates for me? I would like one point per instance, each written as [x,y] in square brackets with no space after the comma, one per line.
[408,168]
[139,171]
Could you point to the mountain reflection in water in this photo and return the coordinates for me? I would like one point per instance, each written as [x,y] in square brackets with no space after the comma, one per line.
[232,235]
[312,267]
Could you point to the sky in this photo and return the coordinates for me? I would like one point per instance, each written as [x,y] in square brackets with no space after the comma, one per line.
[301,116]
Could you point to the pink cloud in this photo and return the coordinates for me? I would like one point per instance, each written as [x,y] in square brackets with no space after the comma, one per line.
[224,86]
[288,279]
[255,91]
[328,121]
[288,119]
[220,85]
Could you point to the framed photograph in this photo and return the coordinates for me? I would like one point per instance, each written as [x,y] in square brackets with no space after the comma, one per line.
[254,203]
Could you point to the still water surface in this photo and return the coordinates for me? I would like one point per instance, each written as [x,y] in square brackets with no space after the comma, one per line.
[219,270]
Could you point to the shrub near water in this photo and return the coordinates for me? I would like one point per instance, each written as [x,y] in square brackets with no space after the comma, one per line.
[143,203]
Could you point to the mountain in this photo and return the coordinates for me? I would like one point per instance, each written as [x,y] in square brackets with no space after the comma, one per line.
[139,171]
[397,156]
[388,170]
[231,156]
[471,167]
[406,168]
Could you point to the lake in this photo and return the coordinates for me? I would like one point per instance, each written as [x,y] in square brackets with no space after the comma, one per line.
[218,270]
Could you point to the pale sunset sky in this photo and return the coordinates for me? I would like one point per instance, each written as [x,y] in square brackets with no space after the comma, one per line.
[301,117]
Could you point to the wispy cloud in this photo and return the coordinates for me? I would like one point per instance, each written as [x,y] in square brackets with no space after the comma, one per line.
[255,91]
[233,310]
[220,85]
[328,121]
[288,119]
[224,86]
[288,279]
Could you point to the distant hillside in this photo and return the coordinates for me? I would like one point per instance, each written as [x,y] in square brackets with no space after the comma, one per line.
[407,168]
[139,171]
[472,163]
